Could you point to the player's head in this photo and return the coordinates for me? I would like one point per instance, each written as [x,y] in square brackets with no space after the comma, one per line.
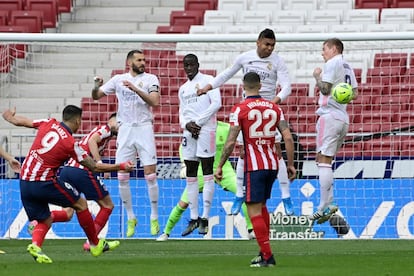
[113,124]
[332,47]
[191,65]
[266,43]
[251,83]
[71,116]
[136,61]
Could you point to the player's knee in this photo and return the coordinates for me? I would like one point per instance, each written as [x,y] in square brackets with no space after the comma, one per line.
[123,179]
[106,202]
[69,212]
[80,205]
[151,178]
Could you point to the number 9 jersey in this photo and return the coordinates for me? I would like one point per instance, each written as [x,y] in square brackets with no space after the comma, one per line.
[258,119]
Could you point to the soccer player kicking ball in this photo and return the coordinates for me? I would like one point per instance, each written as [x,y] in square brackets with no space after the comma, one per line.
[40,186]
[228,183]
[258,119]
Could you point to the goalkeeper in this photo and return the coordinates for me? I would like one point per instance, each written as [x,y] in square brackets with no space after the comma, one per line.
[228,183]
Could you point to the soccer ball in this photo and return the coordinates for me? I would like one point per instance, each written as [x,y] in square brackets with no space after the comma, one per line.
[342,93]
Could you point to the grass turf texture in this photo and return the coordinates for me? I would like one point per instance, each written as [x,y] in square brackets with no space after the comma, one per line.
[218,257]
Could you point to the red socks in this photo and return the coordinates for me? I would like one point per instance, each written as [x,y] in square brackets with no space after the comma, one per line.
[59,216]
[86,222]
[101,219]
[262,235]
[39,233]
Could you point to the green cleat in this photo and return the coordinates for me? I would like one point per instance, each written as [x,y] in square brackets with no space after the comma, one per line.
[131,223]
[38,255]
[155,227]
[103,246]
[111,245]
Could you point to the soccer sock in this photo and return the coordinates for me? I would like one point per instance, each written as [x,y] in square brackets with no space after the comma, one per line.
[153,194]
[325,182]
[173,218]
[249,224]
[262,236]
[88,226]
[59,216]
[240,177]
[192,194]
[101,219]
[39,233]
[125,193]
[282,176]
[266,217]
[208,192]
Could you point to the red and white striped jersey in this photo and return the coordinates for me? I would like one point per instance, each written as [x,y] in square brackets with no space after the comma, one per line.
[53,145]
[258,119]
[104,132]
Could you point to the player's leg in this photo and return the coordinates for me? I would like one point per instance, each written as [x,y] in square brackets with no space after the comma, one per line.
[284,186]
[239,199]
[175,216]
[192,194]
[208,192]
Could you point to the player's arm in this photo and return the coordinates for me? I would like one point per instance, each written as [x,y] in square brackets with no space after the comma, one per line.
[93,142]
[152,98]
[324,87]
[97,93]
[10,116]
[104,167]
[283,79]
[289,146]
[14,164]
[215,105]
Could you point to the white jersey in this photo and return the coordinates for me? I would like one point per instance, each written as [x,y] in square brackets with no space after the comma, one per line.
[271,69]
[131,108]
[200,109]
[335,71]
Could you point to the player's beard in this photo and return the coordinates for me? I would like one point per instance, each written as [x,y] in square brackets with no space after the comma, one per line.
[138,70]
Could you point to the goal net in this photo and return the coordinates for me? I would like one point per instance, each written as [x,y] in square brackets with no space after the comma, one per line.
[373,170]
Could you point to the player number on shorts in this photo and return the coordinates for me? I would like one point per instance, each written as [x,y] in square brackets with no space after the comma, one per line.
[258,117]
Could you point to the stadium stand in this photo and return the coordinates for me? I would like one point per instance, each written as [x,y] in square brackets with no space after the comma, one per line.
[49,8]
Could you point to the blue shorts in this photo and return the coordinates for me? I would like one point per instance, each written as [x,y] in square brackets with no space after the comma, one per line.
[36,196]
[85,182]
[258,185]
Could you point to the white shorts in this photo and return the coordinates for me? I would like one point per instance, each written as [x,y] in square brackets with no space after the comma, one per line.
[204,146]
[136,139]
[330,134]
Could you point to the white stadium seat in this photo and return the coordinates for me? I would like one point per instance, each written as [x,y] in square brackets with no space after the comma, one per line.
[233,5]
[382,28]
[312,29]
[240,29]
[261,17]
[289,17]
[306,5]
[407,27]
[397,16]
[336,4]
[325,17]
[268,5]
[206,29]
[347,28]
[219,17]
[370,16]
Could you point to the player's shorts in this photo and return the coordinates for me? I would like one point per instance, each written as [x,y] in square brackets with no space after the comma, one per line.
[133,139]
[85,182]
[330,134]
[258,185]
[36,196]
[203,147]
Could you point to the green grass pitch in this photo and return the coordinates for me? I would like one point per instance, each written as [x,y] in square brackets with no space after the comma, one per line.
[214,257]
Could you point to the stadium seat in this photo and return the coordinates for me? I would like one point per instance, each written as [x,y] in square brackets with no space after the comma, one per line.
[306,5]
[346,28]
[266,5]
[49,9]
[407,27]
[409,76]
[381,147]
[204,29]
[64,6]
[385,75]
[240,29]
[407,146]
[200,5]
[350,150]
[186,18]
[289,17]
[371,4]
[336,5]
[11,5]
[32,19]
[260,17]
[233,5]
[364,16]
[4,17]
[370,28]
[219,17]
[391,60]
[180,29]
[397,16]
[312,28]
[325,17]
[16,50]
[401,4]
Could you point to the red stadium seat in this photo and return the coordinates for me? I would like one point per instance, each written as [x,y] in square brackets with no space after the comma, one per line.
[350,150]
[16,50]
[210,72]
[401,3]
[383,147]
[371,4]
[384,75]
[407,146]
[4,17]
[180,29]
[32,19]
[64,6]
[409,76]
[186,18]
[358,74]
[201,5]
[391,60]
[11,5]
[49,9]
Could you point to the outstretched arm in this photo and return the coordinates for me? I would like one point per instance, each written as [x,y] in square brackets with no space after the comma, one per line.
[14,164]
[10,116]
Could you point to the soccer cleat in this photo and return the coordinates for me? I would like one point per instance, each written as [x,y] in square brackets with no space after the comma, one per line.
[203,226]
[131,223]
[163,237]
[257,259]
[261,262]
[251,235]
[31,226]
[38,255]
[155,227]
[111,245]
[287,203]
[103,246]
[327,213]
[237,204]
[192,225]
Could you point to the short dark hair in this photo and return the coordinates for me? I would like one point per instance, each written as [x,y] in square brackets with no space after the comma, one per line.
[335,42]
[71,112]
[251,80]
[133,52]
[112,116]
[192,57]
[267,33]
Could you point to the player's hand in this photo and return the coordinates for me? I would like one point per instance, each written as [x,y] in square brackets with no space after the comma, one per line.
[129,84]
[107,175]
[194,129]
[98,81]
[291,172]
[218,174]
[126,166]
[9,113]
[317,72]
[204,90]
[15,165]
